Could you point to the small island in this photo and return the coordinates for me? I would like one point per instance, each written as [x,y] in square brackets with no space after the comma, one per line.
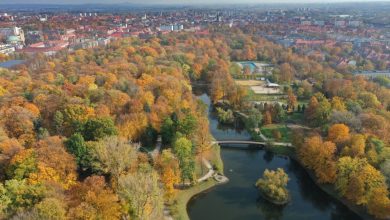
[225,116]
[273,186]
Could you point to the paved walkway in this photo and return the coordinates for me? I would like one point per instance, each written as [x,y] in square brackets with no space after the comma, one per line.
[157,149]
[298,126]
[263,136]
[208,174]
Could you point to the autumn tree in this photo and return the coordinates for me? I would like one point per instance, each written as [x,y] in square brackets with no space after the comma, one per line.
[217,90]
[225,116]
[357,145]
[169,170]
[356,179]
[132,126]
[142,194]
[291,100]
[274,185]
[286,72]
[202,137]
[74,116]
[183,150]
[278,114]
[369,100]
[54,164]
[8,149]
[19,123]
[50,209]
[254,120]
[320,157]
[379,203]
[98,128]
[187,125]
[267,118]
[338,104]
[347,118]
[93,199]
[318,110]
[385,169]
[338,133]
[322,112]
[18,195]
[310,111]
[22,164]
[115,155]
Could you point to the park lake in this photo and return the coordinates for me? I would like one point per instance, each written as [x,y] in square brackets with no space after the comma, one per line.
[239,199]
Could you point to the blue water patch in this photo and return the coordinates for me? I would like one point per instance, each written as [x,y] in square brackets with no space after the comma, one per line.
[251,65]
[11,63]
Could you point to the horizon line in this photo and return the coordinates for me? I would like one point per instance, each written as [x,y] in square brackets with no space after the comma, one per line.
[283,2]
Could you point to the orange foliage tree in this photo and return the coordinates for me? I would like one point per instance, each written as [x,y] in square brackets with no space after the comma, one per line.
[320,157]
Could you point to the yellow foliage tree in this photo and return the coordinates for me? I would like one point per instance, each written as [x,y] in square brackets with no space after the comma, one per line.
[131,126]
[338,133]
[319,156]
[338,104]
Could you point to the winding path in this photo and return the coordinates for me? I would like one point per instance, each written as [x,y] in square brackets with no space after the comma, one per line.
[208,174]
[157,149]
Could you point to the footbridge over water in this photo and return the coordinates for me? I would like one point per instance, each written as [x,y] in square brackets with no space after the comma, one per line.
[262,143]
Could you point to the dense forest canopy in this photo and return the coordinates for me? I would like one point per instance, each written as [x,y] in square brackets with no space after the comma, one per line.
[72,125]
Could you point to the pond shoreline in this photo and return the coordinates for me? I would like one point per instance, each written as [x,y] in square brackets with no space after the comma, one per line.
[328,190]
[184,196]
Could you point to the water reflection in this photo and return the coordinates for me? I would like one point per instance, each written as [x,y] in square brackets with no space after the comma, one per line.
[269,210]
[268,156]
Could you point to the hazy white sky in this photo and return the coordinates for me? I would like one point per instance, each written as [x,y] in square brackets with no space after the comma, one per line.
[176,1]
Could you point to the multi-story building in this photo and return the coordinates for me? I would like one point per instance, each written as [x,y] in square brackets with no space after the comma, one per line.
[13,35]
[6,49]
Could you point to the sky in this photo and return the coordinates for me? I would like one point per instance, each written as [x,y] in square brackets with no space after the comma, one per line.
[176,1]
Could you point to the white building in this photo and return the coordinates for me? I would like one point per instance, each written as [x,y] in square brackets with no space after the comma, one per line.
[6,49]
[354,23]
[175,27]
[13,35]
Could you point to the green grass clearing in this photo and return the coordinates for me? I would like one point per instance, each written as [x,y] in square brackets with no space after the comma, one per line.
[285,132]
[295,117]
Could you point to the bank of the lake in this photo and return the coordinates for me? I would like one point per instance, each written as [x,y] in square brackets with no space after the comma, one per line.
[238,199]
[179,208]
[328,188]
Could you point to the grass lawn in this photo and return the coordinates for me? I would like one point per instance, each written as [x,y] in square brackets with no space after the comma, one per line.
[282,150]
[249,82]
[284,131]
[303,101]
[214,156]
[296,118]
[179,208]
[251,96]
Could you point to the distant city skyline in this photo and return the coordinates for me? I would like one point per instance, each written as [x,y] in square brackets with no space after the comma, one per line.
[180,2]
